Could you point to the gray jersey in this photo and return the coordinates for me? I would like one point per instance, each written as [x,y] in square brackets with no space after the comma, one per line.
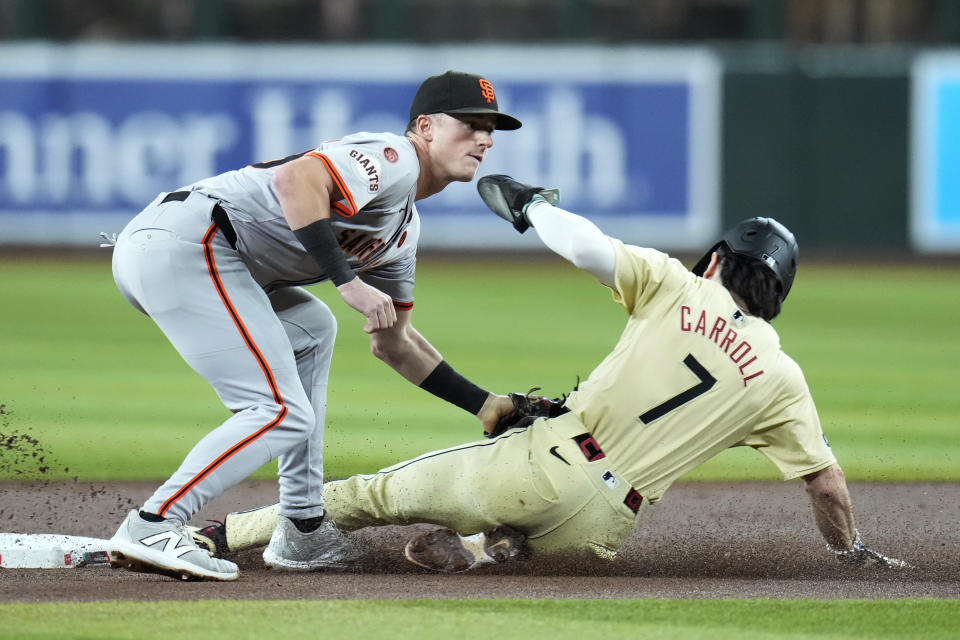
[376,222]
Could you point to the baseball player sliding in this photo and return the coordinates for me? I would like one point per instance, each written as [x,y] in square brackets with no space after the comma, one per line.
[217,265]
[698,369]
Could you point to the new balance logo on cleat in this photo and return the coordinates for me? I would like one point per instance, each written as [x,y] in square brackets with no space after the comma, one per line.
[173,546]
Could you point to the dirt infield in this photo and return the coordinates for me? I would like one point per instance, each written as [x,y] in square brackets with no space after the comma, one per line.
[702,541]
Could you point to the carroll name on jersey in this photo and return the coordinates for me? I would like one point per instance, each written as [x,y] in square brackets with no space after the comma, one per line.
[726,339]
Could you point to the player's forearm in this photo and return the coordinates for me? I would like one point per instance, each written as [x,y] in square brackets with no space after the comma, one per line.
[413,357]
[832,507]
[834,514]
[574,238]
[407,352]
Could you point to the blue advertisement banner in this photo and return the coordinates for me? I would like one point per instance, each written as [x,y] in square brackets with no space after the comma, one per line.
[935,160]
[89,134]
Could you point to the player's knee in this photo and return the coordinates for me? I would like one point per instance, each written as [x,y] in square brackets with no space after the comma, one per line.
[307,320]
[317,333]
[323,324]
[299,418]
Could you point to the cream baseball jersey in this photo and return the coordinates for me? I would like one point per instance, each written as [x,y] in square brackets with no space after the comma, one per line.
[376,221]
[692,375]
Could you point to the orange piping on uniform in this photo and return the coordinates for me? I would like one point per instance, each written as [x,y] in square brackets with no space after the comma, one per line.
[218,285]
[337,180]
[341,209]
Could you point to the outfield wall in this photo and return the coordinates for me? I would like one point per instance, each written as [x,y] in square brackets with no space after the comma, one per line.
[852,148]
[89,134]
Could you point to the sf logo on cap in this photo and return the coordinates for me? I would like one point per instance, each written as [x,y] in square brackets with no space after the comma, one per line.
[486,90]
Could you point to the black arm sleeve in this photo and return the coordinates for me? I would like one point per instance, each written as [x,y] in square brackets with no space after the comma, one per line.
[444,382]
[321,243]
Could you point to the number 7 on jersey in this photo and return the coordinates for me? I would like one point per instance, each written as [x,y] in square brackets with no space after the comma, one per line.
[706,383]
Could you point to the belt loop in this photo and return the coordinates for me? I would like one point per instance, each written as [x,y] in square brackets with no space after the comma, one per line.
[633,500]
[222,220]
[218,215]
[178,196]
[588,445]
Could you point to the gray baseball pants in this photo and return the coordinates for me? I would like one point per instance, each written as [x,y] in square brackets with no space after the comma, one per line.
[266,356]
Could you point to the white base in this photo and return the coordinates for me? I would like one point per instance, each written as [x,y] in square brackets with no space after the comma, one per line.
[51,551]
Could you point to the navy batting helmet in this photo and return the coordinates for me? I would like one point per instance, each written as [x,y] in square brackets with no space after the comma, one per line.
[766,240]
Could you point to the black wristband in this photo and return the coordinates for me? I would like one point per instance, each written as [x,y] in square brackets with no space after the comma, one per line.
[449,385]
[320,242]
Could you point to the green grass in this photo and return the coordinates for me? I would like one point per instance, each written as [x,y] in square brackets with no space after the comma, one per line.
[918,619]
[104,393]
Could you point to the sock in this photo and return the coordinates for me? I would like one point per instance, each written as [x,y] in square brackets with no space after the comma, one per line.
[151,517]
[535,199]
[306,525]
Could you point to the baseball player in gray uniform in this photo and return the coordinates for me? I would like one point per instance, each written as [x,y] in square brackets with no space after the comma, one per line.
[217,265]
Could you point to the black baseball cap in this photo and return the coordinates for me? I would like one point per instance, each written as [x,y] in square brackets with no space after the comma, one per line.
[457,92]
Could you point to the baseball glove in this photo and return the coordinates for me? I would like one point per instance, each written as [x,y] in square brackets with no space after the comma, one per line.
[527,408]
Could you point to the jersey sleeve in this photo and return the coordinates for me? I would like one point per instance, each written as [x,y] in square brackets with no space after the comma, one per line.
[363,171]
[791,437]
[640,273]
[395,279]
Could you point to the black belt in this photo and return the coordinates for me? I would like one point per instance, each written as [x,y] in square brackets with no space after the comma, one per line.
[219,215]
[592,452]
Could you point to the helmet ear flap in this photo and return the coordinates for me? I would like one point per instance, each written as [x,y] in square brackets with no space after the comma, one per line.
[704,262]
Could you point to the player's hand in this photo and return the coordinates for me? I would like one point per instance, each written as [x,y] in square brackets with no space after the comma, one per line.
[374,304]
[523,409]
[494,408]
[859,555]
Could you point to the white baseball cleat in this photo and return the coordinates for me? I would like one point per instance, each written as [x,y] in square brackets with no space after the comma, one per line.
[447,551]
[324,548]
[165,548]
